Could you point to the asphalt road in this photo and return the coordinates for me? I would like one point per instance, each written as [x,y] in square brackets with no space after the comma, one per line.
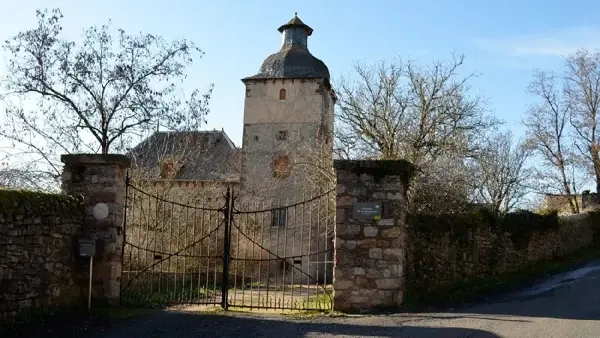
[564,306]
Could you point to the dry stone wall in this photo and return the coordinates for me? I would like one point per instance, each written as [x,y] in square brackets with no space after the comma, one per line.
[444,251]
[38,252]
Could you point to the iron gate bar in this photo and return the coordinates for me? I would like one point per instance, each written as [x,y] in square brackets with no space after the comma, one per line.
[236,211]
[278,257]
[173,202]
[176,253]
[226,248]
[158,255]
[242,256]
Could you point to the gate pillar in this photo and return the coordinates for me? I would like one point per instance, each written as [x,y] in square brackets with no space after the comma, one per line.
[100,179]
[370,234]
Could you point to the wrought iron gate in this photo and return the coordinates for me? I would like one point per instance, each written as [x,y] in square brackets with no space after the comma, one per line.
[179,250]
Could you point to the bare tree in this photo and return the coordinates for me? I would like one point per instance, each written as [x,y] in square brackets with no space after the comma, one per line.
[582,93]
[500,174]
[420,113]
[21,175]
[96,96]
[548,136]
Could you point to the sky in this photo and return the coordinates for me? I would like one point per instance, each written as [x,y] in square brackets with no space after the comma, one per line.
[503,41]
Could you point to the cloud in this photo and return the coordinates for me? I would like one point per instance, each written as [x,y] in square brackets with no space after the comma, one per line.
[556,43]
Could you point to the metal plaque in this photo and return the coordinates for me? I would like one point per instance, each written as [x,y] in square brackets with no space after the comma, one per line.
[87,247]
[366,211]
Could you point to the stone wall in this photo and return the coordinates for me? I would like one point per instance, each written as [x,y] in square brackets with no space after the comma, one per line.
[369,247]
[444,251]
[38,252]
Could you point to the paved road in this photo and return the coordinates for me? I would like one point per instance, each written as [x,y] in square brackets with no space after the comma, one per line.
[567,305]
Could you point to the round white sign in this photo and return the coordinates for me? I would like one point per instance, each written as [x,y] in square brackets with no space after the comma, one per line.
[100,211]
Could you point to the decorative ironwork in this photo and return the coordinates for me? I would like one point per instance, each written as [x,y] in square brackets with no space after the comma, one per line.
[283,255]
[173,252]
[216,253]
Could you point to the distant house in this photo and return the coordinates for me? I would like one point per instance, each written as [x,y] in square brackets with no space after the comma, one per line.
[187,159]
[560,203]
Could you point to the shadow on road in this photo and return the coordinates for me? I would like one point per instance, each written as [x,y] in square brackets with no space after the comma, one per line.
[188,325]
[571,295]
[561,297]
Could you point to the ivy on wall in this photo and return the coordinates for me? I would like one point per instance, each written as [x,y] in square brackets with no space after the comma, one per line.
[23,202]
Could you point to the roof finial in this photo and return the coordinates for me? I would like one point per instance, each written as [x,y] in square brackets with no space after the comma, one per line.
[295,13]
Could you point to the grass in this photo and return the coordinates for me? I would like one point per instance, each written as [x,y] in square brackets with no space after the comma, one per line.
[479,289]
[142,295]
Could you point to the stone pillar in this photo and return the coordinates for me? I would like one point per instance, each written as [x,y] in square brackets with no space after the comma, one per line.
[370,234]
[100,179]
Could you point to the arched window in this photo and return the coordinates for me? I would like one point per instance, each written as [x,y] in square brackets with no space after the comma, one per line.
[282,94]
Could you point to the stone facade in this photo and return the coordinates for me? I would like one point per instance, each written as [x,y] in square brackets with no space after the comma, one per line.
[287,148]
[299,128]
[100,179]
[39,266]
[369,253]
[586,201]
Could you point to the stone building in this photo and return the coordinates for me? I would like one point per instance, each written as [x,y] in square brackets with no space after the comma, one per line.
[286,151]
[561,203]
[187,158]
[288,119]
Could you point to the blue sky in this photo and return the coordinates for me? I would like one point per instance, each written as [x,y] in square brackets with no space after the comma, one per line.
[503,40]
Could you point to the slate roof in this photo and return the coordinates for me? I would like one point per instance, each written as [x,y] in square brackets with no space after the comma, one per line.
[204,155]
[292,61]
[296,22]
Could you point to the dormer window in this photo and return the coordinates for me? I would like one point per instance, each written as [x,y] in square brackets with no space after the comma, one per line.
[282,94]
[167,169]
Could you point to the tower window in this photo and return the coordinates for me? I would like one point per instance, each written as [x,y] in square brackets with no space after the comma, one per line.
[279,217]
[282,135]
[282,94]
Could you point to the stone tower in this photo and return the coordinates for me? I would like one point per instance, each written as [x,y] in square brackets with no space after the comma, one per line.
[288,120]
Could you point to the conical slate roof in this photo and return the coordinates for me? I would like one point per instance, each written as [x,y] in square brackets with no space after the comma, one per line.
[294,60]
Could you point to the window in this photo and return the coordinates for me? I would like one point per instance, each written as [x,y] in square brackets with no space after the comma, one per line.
[279,217]
[256,138]
[282,135]
[167,169]
[282,167]
[282,94]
